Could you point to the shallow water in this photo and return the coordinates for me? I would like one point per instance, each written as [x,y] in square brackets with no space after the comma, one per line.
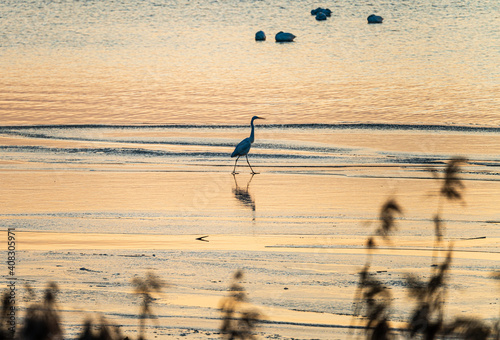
[119,201]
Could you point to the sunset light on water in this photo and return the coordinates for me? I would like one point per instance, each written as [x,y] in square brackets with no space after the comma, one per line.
[118,120]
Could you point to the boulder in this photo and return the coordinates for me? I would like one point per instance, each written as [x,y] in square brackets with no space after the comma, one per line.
[284,37]
[260,36]
[375,19]
[320,16]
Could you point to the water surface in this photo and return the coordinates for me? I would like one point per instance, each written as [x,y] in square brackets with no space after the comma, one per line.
[196,62]
[117,119]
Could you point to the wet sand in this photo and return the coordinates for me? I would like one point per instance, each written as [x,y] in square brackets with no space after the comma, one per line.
[298,235]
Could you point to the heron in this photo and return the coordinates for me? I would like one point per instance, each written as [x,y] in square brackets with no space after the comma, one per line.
[244,146]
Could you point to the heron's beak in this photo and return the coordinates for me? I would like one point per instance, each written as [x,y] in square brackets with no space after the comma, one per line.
[260,118]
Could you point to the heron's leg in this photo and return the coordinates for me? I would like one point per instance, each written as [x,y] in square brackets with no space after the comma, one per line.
[248,184]
[234,170]
[253,172]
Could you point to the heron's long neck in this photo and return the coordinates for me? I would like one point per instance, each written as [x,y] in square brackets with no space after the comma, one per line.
[252,134]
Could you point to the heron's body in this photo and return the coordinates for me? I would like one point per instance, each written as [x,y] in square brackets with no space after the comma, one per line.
[244,146]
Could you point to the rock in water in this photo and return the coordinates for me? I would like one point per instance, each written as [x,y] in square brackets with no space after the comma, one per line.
[326,11]
[316,11]
[284,37]
[375,19]
[260,36]
[320,16]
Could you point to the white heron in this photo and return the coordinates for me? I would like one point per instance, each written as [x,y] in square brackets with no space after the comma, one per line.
[244,146]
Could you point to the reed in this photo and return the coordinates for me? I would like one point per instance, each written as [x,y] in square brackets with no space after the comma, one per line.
[145,288]
[239,318]
[372,300]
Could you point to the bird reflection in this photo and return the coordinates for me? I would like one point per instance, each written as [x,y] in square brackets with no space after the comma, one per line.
[243,196]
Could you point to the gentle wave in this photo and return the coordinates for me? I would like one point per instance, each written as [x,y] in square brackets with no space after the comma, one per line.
[141,152]
[347,126]
[287,145]
[155,156]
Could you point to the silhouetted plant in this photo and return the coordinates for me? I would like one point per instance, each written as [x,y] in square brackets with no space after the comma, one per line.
[87,333]
[239,320]
[145,288]
[30,292]
[451,190]
[428,316]
[452,185]
[387,225]
[5,324]
[373,300]
[496,326]
[468,328]
[42,320]
[105,332]
[496,330]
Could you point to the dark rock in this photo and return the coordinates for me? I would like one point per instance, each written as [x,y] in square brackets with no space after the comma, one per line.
[284,37]
[260,36]
[375,19]
[321,16]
